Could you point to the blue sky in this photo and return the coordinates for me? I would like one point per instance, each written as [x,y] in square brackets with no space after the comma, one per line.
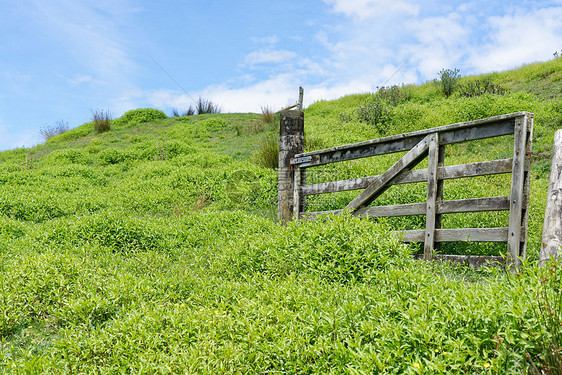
[60,59]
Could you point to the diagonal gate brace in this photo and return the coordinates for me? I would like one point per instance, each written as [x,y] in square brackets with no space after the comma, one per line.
[377,187]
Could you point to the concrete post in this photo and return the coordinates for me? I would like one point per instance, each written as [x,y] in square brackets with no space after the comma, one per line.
[552,229]
[291,142]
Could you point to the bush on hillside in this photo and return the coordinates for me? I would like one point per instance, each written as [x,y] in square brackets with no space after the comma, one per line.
[377,109]
[138,116]
[449,81]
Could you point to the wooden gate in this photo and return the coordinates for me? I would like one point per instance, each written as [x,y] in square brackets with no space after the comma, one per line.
[431,143]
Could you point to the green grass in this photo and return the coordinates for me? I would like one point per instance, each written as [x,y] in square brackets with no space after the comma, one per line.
[154,248]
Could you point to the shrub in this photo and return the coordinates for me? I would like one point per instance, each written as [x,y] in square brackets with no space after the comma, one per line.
[377,112]
[101,120]
[138,116]
[50,130]
[449,80]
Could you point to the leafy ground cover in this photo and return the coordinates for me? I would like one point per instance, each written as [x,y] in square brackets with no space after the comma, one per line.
[153,248]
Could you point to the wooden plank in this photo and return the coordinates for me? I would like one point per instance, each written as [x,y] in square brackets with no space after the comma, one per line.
[420,175]
[443,207]
[472,261]
[439,196]
[473,205]
[483,168]
[516,197]
[315,215]
[431,200]
[378,186]
[410,209]
[403,142]
[462,234]
[526,185]
[489,120]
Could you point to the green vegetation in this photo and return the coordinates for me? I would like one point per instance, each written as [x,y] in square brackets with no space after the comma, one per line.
[449,80]
[153,248]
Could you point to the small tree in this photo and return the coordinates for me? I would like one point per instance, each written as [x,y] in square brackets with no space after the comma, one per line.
[449,80]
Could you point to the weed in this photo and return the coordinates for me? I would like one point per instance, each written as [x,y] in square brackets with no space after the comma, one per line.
[449,80]
[101,120]
[50,130]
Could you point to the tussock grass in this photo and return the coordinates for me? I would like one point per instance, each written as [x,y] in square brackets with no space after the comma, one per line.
[267,152]
[102,120]
[51,130]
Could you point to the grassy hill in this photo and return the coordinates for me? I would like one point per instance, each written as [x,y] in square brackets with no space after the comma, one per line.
[153,247]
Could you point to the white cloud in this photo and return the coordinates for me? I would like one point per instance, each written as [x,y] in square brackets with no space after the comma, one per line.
[440,42]
[365,9]
[519,38]
[268,56]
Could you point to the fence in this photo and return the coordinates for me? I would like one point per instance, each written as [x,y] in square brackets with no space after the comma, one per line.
[419,145]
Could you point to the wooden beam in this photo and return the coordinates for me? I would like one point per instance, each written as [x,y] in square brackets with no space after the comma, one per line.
[412,209]
[419,175]
[377,187]
[462,234]
[516,197]
[473,130]
[431,200]
[472,261]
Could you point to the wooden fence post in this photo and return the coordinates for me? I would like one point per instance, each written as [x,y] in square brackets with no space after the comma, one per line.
[291,142]
[552,229]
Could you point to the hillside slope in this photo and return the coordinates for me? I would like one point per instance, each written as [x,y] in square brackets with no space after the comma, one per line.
[153,248]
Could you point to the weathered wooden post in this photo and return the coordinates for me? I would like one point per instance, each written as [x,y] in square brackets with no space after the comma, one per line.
[291,142]
[552,229]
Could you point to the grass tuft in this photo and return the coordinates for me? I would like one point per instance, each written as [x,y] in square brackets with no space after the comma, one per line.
[50,130]
[267,115]
[267,154]
[204,106]
[102,120]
